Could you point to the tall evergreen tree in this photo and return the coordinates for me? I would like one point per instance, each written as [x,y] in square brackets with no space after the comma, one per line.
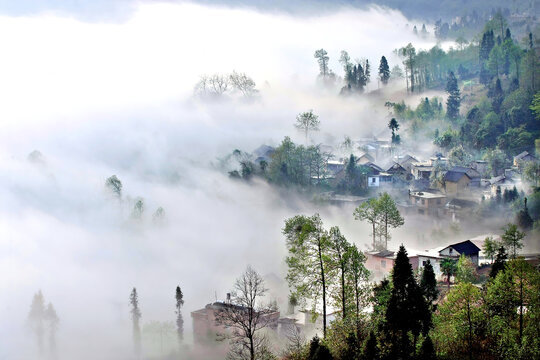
[498,96]
[499,264]
[384,71]
[428,283]
[36,318]
[406,308]
[179,319]
[454,97]
[52,318]
[135,318]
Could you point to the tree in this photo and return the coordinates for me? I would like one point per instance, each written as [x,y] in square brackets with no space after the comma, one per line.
[498,97]
[458,156]
[306,122]
[318,350]
[512,239]
[490,247]
[384,71]
[393,125]
[309,271]
[369,211]
[454,98]
[325,73]
[245,316]
[179,319]
[406,308]
[114,185]
[339,248]
[357,281]
[500,262]
[243,83]
[427,351]
[459,319]
[409,54]
[531,172]
[36,318]
[389,216]
[465,270]
[448,268]
[428,283]
[135,318]
[52,318]
[138,208]
[523,218]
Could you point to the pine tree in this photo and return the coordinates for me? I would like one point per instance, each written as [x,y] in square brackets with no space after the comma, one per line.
[498,96]
[499,264]
[135,318]
[36,318]
[427,351]
[406,308]
[454,98]
[523,217]
[52,318]
[512,238]
[428,283]
[384,71]
[179,319]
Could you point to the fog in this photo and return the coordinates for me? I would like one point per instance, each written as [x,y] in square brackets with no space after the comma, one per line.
[97,99]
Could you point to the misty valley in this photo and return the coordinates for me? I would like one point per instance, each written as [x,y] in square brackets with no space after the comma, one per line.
[228,179]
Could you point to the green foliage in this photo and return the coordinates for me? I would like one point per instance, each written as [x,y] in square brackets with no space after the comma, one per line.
[513,239]
[500,262]
[407,311]
[428,283]
[309,260]
[465,270]
[448,268]
[490,247]
[114,185]
[318,350]
[459,322]
[454,97]
[384,71]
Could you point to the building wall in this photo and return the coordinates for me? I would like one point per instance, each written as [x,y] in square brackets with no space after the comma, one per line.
[373,181]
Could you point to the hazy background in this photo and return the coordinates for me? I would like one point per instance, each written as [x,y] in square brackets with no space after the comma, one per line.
[104,95]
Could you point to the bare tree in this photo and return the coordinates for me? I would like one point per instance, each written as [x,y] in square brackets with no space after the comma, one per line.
[306,122]
[243,83]
[219,84]
[245,317]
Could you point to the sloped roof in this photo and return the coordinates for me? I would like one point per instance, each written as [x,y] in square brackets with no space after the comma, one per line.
[454,176]
[466,247]
[471,173]
[521,155]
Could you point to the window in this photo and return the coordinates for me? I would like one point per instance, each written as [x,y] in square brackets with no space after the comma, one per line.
[451,250]
[421,211]
[438,201]
[424,263]
[423,201]
[383,263]
[372,180]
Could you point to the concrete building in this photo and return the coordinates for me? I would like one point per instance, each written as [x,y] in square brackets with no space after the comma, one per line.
[467,247]
[427,203]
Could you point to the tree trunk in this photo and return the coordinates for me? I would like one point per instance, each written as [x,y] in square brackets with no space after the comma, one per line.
[470,329]
[343,291]
[323,290]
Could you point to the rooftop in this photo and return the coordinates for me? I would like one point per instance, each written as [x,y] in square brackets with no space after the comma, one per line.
[427,195]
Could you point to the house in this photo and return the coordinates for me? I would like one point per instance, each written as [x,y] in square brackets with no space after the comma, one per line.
[406,161]
[427,203]
[456,183]
[421,170]
[467,248]
[333,167]
[480,166]
[473,174]
[205,327]
[380,263]
[419,259]
[364,158]
[398,170]
[524,157]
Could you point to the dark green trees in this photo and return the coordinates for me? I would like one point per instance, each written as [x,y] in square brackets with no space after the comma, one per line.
[454,98]
[384,71]
[393,125]
[406,308]
[179,296]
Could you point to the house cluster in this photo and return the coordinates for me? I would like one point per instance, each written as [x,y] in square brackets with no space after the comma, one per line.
[380,263]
